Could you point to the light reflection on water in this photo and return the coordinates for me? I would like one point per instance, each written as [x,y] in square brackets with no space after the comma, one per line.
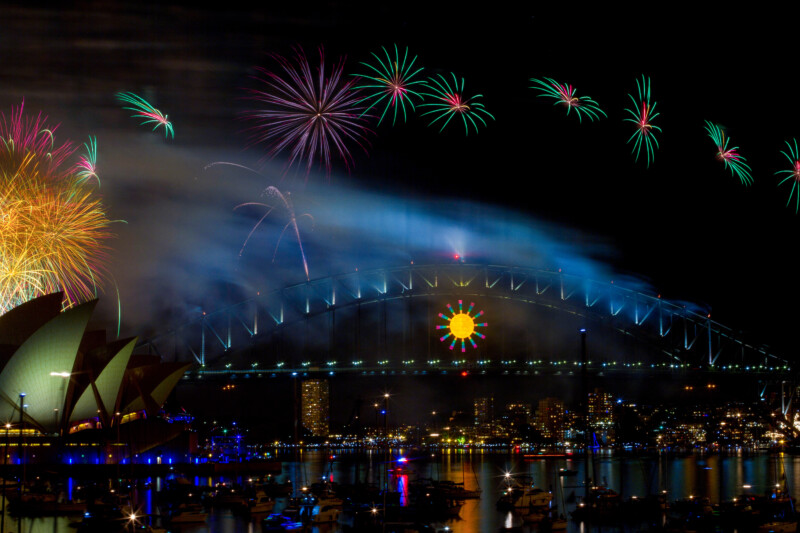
[717,477]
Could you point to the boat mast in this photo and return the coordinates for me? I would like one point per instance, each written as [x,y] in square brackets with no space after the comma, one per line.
[585,413]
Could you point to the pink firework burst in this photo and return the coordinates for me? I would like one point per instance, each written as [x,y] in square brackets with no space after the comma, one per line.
[729,154]
[310,116]
[21,135]
[564,94]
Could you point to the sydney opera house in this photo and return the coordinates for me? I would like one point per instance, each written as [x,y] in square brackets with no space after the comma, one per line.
[68,394]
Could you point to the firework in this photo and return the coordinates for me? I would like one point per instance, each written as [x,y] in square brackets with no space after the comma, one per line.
[729,155]
[565,94]
[143,109]
[793,174]
[86,168]
[642,114]
[288,205]
[286,202]
[449,101]
[392,82]
[24,136]
[309,116]
[52,226]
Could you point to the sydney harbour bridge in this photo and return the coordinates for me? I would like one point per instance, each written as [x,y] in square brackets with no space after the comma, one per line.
[391,320]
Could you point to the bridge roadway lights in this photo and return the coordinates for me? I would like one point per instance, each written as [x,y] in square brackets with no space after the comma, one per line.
[671,331]
[499,370]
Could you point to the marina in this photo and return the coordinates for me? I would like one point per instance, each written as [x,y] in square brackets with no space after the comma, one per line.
[453,490]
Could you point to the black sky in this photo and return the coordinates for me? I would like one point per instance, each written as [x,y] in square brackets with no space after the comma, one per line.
[685,224]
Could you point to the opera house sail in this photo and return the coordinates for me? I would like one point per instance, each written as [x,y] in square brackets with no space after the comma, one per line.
[57,378]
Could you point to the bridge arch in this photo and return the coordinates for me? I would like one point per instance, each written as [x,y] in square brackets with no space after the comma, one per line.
[384,319]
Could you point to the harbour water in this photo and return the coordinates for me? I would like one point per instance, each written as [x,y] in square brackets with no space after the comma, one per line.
[718,477]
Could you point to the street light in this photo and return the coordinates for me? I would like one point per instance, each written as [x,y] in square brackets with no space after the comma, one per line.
[66,376]
[22,447]
[386,460]
[386,417]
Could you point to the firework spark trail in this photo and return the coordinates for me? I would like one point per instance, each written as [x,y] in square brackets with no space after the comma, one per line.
[119,307]
[449,101]
[793,174]
[565,94]
[143,109]
[310,116]
[87,164]
[643,115]
[729,155]
[393,82]
[52,227]
[289,206]
[226,163]
[22,134]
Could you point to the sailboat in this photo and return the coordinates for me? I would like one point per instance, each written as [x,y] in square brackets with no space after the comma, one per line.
[458,491]
[786,521]
[553,522]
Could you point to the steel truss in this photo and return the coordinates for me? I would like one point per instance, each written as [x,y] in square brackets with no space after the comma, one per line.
[682,336]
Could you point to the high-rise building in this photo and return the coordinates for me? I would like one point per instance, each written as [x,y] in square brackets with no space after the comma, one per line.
[551,420]
[600,409]
[515,419]
[484,408]
[601,415]
[315,406]
[484,417]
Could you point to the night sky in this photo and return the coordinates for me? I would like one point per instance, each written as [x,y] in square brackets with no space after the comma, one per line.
[534,188]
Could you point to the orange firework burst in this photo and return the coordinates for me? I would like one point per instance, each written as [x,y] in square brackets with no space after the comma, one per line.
[53,229]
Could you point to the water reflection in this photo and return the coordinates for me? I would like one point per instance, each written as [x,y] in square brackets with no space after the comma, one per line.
[716,477]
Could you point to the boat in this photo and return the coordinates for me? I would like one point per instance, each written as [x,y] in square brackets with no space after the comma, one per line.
[545,453]
[101,518]
[457,491]
[787,526]
[227,496]
[260,503]
[567,472]
[515,488]
[46,504]
[400,471]
[554,524]
[7,485]
[325,514]
[324,496]
[534,517]
[153,529]
[188,514]
[601,502]
[279,522]
[534,498]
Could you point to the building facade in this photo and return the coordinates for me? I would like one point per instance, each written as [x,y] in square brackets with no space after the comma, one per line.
[315,406]
[551,419]
[484,417]
[601,416]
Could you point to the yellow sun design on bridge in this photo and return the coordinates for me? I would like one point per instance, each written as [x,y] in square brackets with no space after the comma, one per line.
[461,326]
